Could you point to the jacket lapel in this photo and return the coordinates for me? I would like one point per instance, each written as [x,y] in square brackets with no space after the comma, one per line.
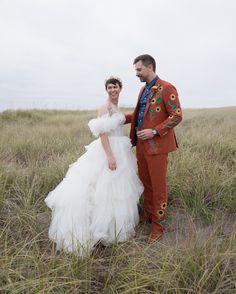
[150,97]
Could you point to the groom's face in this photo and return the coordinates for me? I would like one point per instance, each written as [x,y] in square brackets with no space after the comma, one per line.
[142,71]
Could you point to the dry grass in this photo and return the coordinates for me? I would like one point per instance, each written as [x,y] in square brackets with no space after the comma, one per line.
[199,256]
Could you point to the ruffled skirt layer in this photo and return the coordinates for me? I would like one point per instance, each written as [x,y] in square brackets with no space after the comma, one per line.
[93,203]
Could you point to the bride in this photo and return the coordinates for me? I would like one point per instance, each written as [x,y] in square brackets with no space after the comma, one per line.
[97,199]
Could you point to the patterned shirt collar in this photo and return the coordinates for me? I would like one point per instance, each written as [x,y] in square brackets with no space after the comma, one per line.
[152,83]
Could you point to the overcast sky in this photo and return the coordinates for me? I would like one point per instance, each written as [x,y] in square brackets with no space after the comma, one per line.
[57,53]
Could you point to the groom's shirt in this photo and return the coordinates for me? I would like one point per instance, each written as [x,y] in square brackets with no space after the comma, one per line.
[143,101]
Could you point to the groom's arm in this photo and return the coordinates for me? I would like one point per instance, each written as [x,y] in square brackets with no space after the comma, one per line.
[128,118]
[172,105]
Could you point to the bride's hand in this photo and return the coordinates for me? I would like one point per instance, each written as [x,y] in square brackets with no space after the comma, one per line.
[111,162]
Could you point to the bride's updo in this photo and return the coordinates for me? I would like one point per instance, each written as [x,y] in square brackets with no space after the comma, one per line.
[114,81]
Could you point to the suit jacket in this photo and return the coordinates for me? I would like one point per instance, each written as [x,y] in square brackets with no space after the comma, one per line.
[163,112]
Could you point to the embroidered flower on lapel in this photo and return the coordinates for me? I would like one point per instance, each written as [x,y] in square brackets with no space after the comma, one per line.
[153,101]
[158,109]
[154,87]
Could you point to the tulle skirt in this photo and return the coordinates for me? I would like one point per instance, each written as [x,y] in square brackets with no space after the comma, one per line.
[93,203]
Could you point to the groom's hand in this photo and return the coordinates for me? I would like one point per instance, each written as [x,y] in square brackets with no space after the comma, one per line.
[145,134]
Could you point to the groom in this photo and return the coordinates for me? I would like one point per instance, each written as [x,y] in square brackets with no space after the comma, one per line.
[157,112]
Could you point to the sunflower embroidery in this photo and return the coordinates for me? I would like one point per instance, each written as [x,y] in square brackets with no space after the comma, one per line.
[171,116]
[154,88]
[160,212]
[160,88]
[164,205]
[153,101]
[178,110]
[172,96]
[158,109]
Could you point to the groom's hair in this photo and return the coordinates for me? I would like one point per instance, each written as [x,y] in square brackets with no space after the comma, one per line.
[146,60]
[114,81]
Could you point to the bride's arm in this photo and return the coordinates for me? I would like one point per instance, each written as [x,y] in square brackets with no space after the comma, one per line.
[107,147]
[106,144]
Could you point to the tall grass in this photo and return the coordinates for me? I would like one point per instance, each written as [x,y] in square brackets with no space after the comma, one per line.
[202,173]
[199,256]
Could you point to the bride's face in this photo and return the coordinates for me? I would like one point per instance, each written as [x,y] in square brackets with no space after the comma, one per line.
[113,91]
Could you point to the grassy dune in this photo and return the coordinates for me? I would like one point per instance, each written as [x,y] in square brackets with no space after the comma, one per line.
[198,252]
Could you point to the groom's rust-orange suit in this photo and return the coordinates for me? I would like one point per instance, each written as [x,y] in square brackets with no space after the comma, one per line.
[163,113]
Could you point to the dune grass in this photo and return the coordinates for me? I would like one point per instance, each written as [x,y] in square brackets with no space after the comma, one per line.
[198,256]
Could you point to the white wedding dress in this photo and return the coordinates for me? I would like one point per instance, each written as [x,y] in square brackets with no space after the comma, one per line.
[93,203]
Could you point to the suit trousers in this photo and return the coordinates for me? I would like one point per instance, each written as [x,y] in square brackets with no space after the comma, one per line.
[152,169]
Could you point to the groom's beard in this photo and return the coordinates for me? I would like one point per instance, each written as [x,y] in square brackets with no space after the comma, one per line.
[142,79]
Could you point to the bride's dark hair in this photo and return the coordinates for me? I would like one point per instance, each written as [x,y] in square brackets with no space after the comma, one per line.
[114,81]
